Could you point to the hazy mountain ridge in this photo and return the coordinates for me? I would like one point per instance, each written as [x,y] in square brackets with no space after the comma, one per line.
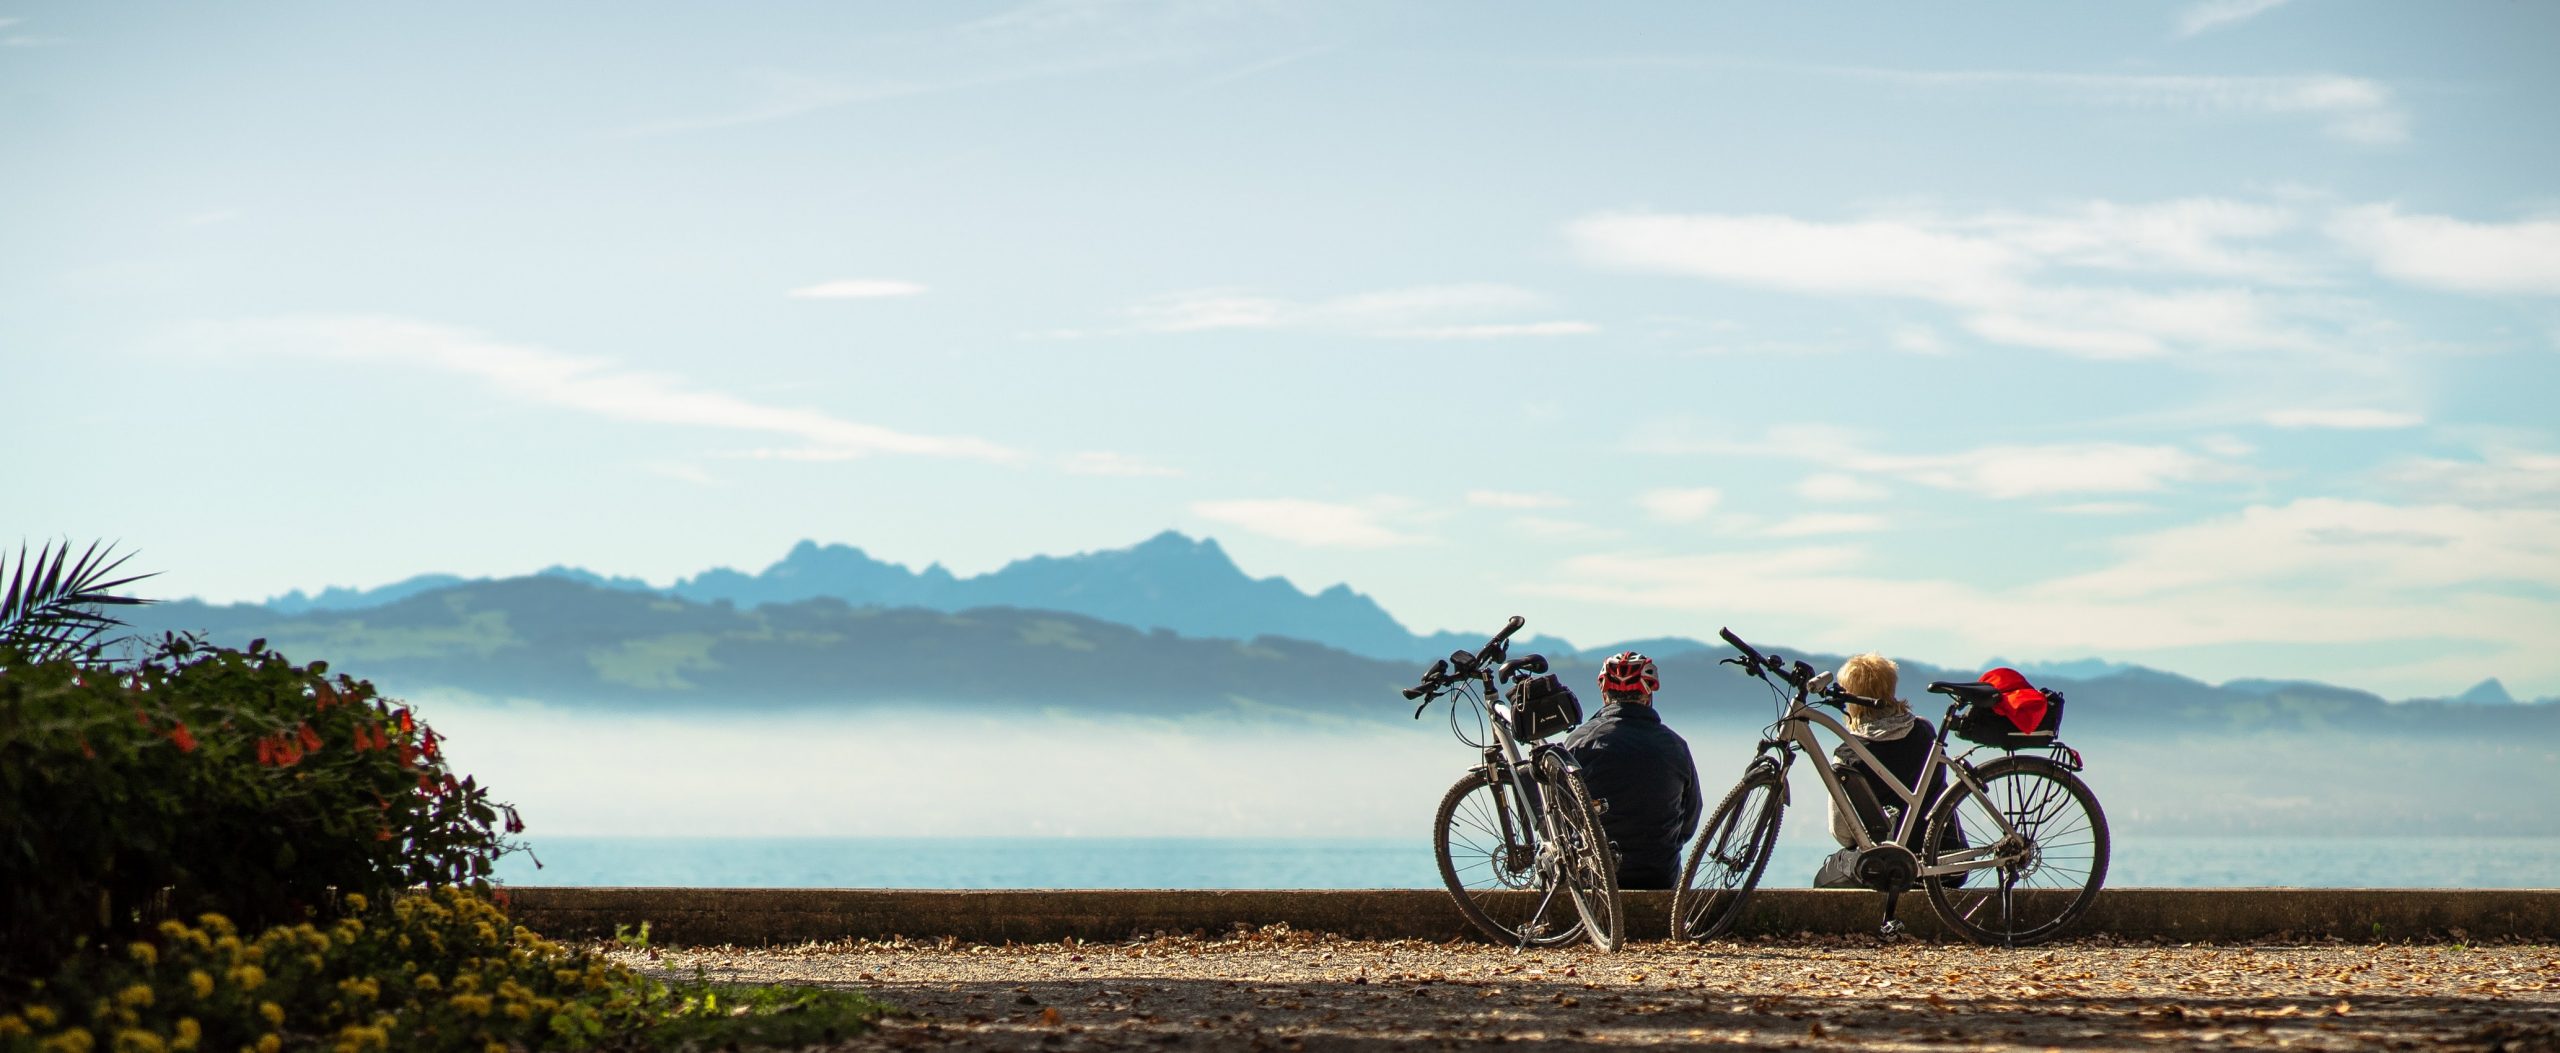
[555,639]
[1169,581]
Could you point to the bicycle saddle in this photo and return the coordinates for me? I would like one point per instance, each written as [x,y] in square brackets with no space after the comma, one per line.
[1976,691]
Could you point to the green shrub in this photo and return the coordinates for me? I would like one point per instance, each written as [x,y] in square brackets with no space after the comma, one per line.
[215,780]
[435,972]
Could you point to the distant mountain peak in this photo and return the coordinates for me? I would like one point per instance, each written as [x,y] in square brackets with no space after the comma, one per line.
[2486,693]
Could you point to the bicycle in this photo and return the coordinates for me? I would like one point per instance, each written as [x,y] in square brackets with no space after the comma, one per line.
[1520,827]
[2026,822]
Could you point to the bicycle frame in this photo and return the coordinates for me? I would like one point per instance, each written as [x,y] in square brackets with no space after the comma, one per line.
[1796,735]
[1517,770]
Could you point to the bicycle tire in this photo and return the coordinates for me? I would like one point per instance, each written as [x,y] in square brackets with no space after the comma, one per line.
[2062,860]
[1587,858]
[1731,852]
[1494,879]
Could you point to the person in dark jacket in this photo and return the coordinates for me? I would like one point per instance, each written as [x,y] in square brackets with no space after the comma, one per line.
[1642,768]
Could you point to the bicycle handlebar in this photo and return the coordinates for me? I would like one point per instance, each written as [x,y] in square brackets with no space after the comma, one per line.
[1745,648]
[1532,665]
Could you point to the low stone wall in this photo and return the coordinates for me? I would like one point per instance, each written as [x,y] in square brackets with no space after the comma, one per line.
[748,917]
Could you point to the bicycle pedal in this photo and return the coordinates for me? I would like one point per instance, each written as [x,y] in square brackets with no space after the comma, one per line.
[1891,930]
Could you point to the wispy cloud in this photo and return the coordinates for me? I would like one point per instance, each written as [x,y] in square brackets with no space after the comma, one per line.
[592,385]
[2351,419]
[2352,109]
[2312,571]
[2442,252]
[1825,523]
[1680,505]
[1098,462]
[2499,478]
[1422,312]
[859,289]
[1514,500]
[1317,524]
[2018,279]
[2216,14]
[1832,486]
[2010,470]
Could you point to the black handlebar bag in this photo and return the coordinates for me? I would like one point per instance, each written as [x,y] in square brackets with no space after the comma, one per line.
[1542,707]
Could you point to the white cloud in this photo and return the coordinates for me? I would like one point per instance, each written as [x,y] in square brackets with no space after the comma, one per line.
[1510,499]
[1821,524]
[2447,253]
[1918,339]
[2500,478]
[2314,571]
[1320,524]
[1101,462]
[2103,508]
[2215,14]
[1680,505]
[1550,528]
[597,386]
[2010,278]
[2002,471]
[1832,486]
[858,289]
[2351,419]
[1425,312]
[2354,109]
[1496,331]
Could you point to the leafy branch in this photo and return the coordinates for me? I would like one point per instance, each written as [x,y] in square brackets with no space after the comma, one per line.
[54,607]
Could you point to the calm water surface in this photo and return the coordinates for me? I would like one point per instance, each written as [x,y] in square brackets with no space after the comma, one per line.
[963,862]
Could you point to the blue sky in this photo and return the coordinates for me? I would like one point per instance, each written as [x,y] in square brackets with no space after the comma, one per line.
[2218,336]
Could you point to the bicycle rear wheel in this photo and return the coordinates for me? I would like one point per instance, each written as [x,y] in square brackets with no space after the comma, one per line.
[1587,862]
[2050,868]
[1488,854]
[1731,852]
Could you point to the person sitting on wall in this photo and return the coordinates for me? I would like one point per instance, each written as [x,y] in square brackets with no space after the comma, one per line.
[1899,739]
[1640,766]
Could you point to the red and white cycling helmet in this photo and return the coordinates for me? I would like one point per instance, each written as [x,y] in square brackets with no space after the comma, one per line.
[1627,671]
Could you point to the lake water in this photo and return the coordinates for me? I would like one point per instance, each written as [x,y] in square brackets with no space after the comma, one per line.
[1068,862]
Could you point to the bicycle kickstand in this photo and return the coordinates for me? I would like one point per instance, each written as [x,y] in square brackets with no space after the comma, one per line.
[1892,928]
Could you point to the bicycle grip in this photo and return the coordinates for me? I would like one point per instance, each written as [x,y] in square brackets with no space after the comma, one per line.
[1745,648]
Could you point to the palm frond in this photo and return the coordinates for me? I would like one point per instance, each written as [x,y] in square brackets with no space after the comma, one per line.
[54,606]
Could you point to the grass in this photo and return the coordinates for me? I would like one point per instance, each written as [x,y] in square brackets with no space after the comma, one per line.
[747,1016]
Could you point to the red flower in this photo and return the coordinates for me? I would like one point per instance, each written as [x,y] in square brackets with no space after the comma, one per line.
[138,718]
[185,739]
[85,751]
[406,725]
[431,745]
[310,739]
[323,696]
[266,752]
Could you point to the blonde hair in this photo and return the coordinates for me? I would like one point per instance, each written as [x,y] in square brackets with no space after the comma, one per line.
[1874,676]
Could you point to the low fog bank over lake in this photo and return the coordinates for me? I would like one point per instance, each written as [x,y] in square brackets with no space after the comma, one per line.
[924,770]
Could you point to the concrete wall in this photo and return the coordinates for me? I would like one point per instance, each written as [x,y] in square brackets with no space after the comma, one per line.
[763,916]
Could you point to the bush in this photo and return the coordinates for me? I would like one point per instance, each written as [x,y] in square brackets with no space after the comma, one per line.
[432,972]
[207,779]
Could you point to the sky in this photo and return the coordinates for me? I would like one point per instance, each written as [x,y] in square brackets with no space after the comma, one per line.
[2218,336]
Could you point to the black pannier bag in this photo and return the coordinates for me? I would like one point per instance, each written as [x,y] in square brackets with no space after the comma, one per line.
[1542,706]
[1981,725]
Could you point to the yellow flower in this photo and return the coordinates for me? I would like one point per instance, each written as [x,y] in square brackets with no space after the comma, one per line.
[189,1033]
[145,953]
[229,946]
[249,977]
[14,1026]
[273,1012]
[137,996]
[428,982]
[136,1040]
[41,1015]
[173,929]
[270,1043]
[76,1040]
[216,923]
[200,982]
[495,1047]
[519,1010]
[356,902]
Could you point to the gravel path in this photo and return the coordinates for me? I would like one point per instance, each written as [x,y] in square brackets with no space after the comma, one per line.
[1278,990]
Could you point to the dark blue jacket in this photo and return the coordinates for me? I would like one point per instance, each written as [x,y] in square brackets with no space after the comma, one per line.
[1643,770]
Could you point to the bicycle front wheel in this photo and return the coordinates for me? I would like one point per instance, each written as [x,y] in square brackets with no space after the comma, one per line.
[1731,852]
[1585,860]
[2044,864]
[1488,853]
